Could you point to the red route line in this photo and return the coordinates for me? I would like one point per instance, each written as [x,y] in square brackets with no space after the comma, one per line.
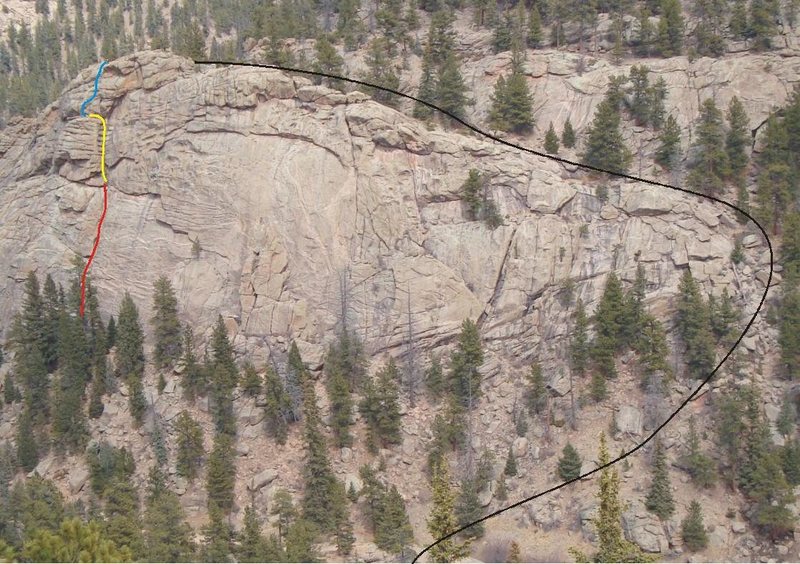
[94,249]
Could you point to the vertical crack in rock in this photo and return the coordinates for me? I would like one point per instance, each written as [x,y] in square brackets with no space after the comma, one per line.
[498,285]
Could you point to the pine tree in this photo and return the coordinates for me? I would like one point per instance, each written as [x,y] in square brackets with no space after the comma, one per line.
[327,61]
[221,476]
[693,325]
[253,546]
[224,377]
[651,344]
[284,509]
[193,379]
[277,407]
[343,526]
[382,72]
[771,494]
[111,333]
[349,27]
[346,356]
[534,35]
[693,531]
[755,440]
[442,519]
[787,417]
[512,102]
[708,30]
[711,166]
[468,509]
[700,467]
[251,380]
[190,446]
[773,195]
[790,462]
[69,422]
[551,140]
[393,532]
[669,148]
[130,355]
[427,87]
[217,544]
[464,362]
[380,408]
[434,379]
[319,497]
[605,146]
[569,465]
[167,535]
[471,190]
[300,539]
[568,135]
[450,87]
[27,450]
[646,36]
[123,525]
[724,318]
[670,29]
[659,499]
[640,100]
[11,393]
[166,327]
[341,406]
[296,374]
[31,372]
[608,321]
[790,246]
[738,24]
[657,95]
[510,468]
[762,27]
[613,547]
[74,541]
[597,388]
[579,344]
[501,37]
[536,396]
[737,139]
[501,489]
[33,323]
[51,312]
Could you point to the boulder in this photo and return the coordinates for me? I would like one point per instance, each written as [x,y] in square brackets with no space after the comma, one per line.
[251,415]
[354,480]
[519,447]
[546,515]
[559,383]
[77,479]
[485,495]
[263,478]
[645,530]
[587,515]
[629,420]
[179,485]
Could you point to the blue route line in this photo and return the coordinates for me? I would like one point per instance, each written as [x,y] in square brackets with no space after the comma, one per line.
[96,81]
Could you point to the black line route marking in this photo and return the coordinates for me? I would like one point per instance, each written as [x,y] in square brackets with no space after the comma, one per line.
[471,127]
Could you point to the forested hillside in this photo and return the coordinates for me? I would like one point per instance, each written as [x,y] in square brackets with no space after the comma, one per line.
[327,324]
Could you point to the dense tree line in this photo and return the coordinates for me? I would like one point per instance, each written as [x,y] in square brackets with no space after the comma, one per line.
[38,61]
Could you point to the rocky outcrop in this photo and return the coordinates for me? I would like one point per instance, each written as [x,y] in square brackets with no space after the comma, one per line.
[262,196]
[288,188]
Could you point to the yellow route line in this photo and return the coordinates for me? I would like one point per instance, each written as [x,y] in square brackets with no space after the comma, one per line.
[102,147]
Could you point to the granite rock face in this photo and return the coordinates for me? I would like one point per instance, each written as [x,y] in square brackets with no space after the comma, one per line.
[260,196]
